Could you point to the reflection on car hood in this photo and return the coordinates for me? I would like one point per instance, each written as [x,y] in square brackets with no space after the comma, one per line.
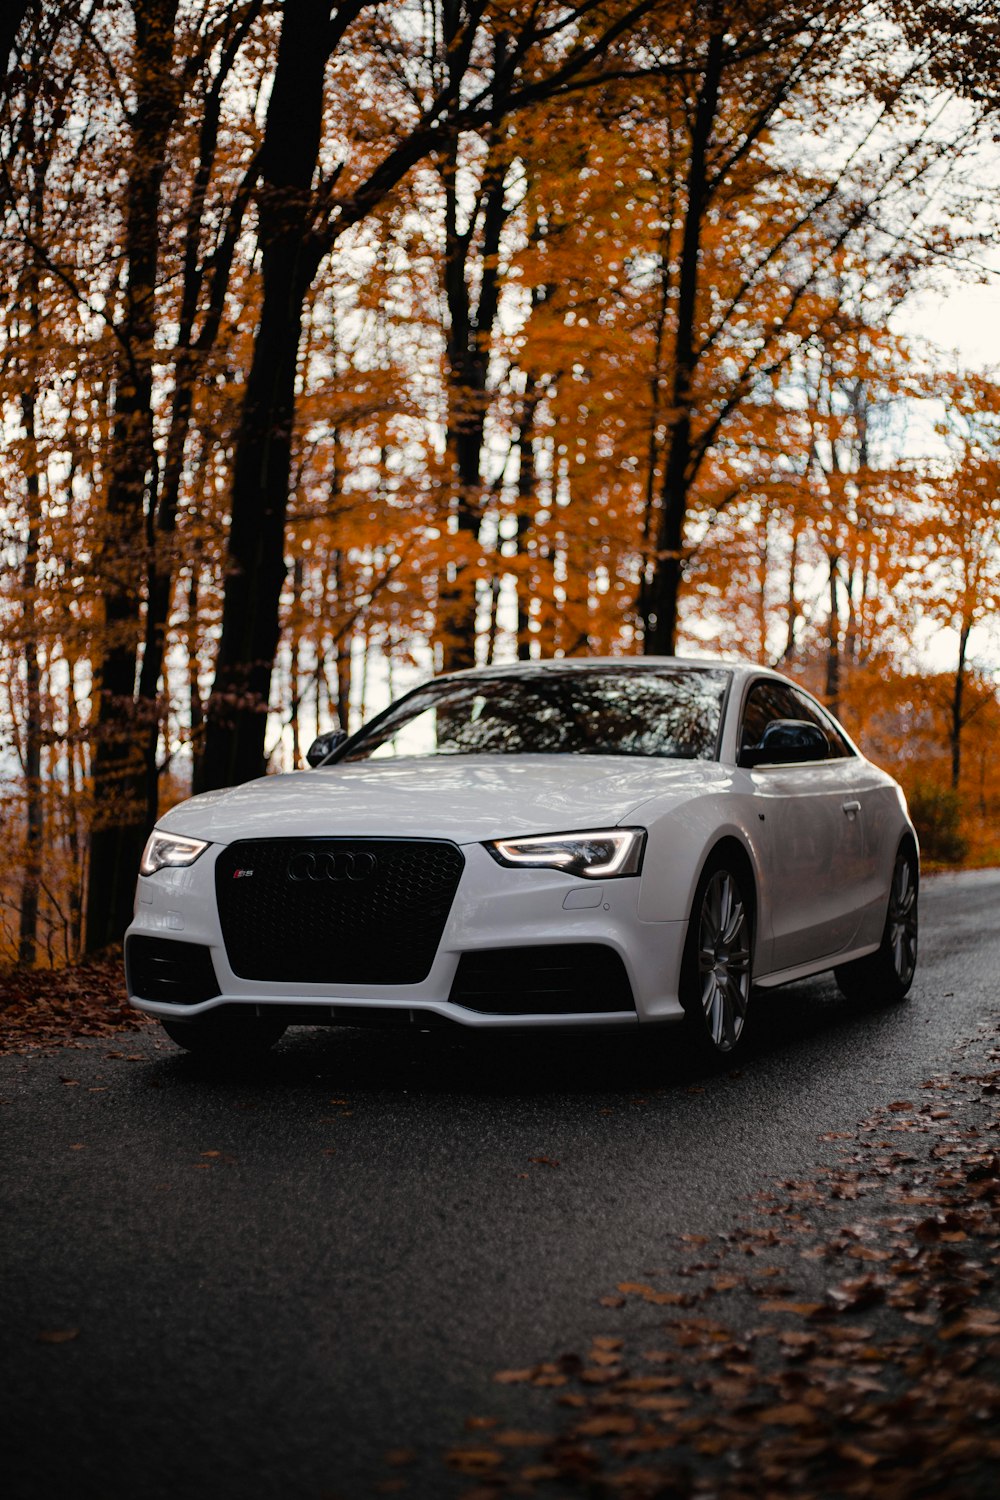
[465,798]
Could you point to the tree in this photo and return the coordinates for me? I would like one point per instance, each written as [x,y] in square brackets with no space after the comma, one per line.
[960,541]
[463,78]
[762,79]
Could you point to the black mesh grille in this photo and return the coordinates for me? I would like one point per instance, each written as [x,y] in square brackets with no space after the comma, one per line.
[161,969]
[335,911]
[577,978]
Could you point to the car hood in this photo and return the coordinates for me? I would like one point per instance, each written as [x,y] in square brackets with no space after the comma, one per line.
[462,797]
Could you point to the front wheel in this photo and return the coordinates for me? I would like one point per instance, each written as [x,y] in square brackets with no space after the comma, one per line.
[231,1031]
[888,973]
[715,976]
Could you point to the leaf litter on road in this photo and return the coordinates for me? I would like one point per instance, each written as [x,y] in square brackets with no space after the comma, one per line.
[863,1360]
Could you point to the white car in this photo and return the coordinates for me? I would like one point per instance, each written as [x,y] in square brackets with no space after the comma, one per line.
[587,843]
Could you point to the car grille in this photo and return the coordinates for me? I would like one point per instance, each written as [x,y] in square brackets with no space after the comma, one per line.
[162,969]
[335,911]
[569,979]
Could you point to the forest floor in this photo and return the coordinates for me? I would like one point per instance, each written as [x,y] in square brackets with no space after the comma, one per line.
[59,1007]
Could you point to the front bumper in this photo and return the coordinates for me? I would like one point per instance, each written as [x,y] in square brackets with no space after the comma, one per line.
[493,908]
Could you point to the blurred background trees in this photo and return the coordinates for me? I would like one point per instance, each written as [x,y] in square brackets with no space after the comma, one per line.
[342,343]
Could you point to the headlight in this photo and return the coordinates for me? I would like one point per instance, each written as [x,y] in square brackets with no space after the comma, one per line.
[600,855]
[168,851]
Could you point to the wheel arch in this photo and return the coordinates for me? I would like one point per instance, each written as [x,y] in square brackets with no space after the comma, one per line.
[731,848]
[730,854]
[908,841]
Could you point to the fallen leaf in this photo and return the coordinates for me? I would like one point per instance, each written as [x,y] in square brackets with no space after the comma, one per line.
[857,1455]
[604,1357]
[800,1309]
[603,1426]
[788,1414]
[473,1460]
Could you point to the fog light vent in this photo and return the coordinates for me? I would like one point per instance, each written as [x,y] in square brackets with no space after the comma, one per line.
[163,970]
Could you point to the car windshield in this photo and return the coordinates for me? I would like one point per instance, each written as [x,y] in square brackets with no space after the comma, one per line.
[671,711]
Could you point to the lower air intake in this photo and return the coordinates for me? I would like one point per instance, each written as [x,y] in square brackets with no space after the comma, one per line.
[564,979]
[178,973]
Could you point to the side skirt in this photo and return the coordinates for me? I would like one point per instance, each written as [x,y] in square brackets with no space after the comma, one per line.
[815,966]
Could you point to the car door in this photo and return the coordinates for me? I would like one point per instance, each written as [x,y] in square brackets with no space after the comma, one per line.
[811,834]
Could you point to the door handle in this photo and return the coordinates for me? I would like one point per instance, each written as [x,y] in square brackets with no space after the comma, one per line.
[852,809]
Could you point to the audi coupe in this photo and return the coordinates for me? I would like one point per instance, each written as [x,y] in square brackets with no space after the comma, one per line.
[590,843]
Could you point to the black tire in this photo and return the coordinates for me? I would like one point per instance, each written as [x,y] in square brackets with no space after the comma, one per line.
[885,976]
[716,972]
[229,1031]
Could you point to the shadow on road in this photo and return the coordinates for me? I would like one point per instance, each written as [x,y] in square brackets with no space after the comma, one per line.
[506,1065]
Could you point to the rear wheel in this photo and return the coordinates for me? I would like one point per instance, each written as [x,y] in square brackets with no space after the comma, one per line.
[886,974]
[716,975]
[232,1031]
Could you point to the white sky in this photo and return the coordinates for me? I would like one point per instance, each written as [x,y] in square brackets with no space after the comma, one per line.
[961,319]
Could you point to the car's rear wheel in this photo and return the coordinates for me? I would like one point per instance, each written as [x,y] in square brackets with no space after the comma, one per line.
[886,974]
[230,1031]
[716,972]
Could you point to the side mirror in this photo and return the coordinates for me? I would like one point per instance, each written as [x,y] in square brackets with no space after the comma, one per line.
[787,742]
[324,746]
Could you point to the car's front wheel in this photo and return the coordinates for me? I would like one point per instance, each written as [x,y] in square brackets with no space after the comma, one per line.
[228,1031]
[888,973]
[716,972]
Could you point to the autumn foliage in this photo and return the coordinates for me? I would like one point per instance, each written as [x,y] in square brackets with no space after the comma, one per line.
[346,342]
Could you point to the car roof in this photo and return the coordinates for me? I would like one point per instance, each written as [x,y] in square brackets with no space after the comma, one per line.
[740,669]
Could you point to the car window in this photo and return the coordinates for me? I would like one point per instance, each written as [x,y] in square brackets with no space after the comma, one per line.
[839,748]
[669,712]
[768,701]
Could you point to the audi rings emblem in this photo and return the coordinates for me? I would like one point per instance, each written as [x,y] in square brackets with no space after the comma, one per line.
[330,864]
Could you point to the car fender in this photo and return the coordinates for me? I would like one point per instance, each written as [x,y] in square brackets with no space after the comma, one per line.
[681,837]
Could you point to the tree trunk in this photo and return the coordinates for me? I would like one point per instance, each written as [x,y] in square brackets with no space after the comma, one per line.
[196,710]
[525,518]
[237,709]
[342,645]
[28,922]
[656,382]
[833,641]
[661,598]
[469,340]
[117,760]
[792,604]
[957,705]
[12,14]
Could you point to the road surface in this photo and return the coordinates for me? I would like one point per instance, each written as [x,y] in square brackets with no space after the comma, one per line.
[256,1285]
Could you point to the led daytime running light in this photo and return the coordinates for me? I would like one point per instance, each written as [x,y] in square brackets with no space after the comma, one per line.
[169,851]
[597,854]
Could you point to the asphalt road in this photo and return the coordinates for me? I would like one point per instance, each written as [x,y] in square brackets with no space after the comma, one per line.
[271,1279]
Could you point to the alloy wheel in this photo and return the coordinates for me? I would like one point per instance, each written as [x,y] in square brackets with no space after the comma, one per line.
[724,960]
[902,925]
